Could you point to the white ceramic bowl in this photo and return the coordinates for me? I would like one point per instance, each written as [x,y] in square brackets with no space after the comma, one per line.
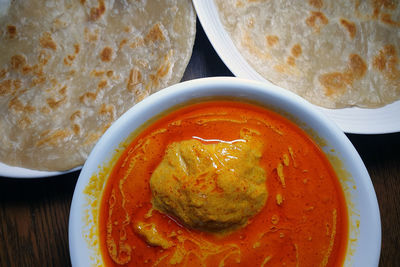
[364,218]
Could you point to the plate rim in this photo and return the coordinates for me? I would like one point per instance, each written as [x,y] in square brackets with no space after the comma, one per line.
[15,172]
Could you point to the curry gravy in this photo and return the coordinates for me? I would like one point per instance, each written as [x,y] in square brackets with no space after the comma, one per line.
[303,222]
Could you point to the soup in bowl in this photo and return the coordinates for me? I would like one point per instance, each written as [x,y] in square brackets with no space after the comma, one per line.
[224,172]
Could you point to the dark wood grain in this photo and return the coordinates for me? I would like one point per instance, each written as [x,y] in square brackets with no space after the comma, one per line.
[34,221]
[34,213]
[381,156]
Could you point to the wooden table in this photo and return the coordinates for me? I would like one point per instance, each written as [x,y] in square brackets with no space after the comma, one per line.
[34,213]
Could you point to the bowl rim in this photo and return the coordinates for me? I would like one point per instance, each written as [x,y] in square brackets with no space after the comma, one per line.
[370,227]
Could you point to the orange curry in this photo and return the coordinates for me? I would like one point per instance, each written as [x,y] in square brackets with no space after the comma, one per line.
[302,223]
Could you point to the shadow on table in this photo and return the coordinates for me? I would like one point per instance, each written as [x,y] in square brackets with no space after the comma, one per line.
[381,155]
[34,220]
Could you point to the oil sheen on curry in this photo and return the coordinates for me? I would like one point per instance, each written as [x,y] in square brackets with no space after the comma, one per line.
[223,183]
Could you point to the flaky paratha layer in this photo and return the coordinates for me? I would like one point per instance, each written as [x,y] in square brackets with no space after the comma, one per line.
[333,53]
[68,69]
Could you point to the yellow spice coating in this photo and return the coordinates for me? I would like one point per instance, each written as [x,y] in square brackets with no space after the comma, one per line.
[211,187]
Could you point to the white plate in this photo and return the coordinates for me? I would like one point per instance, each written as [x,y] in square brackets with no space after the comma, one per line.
[16,172]
[351,120]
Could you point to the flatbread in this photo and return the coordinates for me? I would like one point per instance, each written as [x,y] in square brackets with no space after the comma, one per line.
[68,69]
[333,53]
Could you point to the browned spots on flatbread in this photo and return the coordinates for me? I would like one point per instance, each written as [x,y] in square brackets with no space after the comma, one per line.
[18,61]
[76,115]
[38,70]
[54,137]
[77,48]
[155,34]
[110,73]
[357,66]
[388,4]
[272,40]
[123,43]
[137,42]
[24,122]
[97,12]
[337,82]
[5,87]
[106,54]
[357,5]
[43,57]
[63,90]
[316,3]
[296,50]
[102,84]
[291,61]
[71,73]
[39,80]
[140,95]
[281,68]
[92,137]
[107,111]
[59,24]
[91,36]
[154,81]
[3,73]
[387,19]
[379,61]
[87,96]
[105,127]
[316,20]
[386,61]
[295,53]
[349,26]
[17,84]
[97,73]
[16,105]
[46,41]
[54,82]
[26,69]
[134,79]
[76,129]
[163,69]
[12,31]
[68,60]
[239,4]
[53,103]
